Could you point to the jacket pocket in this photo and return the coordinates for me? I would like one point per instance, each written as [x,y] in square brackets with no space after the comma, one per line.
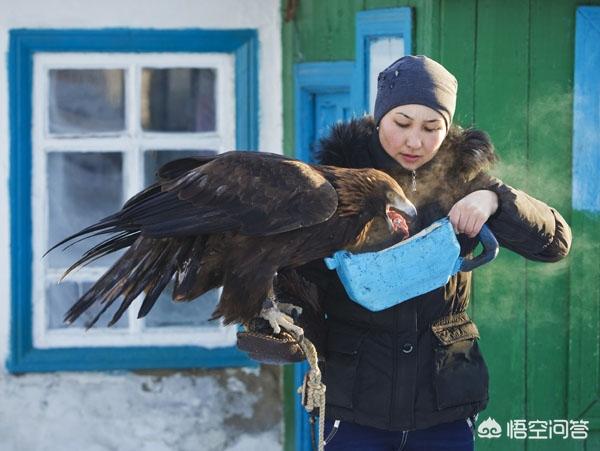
[460,375]
[339,370]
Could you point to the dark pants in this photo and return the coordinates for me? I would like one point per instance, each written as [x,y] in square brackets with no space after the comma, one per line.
[455,436]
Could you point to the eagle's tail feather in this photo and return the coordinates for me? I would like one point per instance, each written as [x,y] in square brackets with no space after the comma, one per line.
[153,278]
[107,288]
[113,244]
[152,265]
[110,224]
[154,290]
[148,265]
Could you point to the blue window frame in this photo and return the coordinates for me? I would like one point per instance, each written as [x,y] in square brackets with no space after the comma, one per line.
[371,26]
[584,265]
[586,114]
[24,44]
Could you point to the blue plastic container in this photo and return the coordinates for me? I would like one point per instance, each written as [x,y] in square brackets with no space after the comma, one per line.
[422,263]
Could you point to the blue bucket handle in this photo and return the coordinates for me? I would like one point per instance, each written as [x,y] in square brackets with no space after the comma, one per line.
[490,251]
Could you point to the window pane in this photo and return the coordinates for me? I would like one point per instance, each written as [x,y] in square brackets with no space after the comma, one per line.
[382,53]
[82,189]
[61,296]
[86,100]
[195,313]
[178,100]
[154,159]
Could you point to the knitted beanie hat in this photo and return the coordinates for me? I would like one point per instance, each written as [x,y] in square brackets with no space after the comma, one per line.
[416,79]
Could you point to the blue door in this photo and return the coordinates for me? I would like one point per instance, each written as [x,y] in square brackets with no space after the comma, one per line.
[329,109]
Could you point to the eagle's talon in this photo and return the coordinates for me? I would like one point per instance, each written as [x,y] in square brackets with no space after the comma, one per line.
[278,320]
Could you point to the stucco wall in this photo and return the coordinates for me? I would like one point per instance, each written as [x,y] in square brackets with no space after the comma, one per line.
[227,409]
[230,410]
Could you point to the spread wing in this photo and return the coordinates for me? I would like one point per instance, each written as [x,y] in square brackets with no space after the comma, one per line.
[249,192]
[165,226]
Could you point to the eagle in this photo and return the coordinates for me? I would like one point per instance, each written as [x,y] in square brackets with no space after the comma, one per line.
[234,220]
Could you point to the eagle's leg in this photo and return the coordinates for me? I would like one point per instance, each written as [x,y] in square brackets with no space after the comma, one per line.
[278,319]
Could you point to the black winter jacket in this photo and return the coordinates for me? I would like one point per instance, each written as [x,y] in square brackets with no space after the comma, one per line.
[418,364]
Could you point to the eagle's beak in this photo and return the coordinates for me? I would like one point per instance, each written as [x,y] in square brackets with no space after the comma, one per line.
[397,215]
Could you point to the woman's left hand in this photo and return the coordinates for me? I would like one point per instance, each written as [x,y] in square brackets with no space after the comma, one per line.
[472,211]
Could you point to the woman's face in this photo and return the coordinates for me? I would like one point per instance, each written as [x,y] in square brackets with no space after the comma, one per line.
[412,134]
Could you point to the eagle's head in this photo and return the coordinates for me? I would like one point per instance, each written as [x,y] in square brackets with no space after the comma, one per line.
[381,202]
[377,197]
[399,211]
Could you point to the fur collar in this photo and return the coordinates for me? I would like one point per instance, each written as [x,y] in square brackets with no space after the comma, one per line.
[465,156]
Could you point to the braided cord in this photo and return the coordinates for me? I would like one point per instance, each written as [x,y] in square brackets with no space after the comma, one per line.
[313,390]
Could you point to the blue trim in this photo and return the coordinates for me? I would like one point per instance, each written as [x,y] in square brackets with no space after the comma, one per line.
[126,358]
[371,25]
[24,43]
[586,114]
[311,79]
[302,426]
[246,94]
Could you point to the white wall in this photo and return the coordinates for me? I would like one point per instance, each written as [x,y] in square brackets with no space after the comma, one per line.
[188,410]
[207,411]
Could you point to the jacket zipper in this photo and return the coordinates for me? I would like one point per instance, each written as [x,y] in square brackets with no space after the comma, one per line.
[414,181]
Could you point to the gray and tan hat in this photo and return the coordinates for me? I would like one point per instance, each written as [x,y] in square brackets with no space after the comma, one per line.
[416,79]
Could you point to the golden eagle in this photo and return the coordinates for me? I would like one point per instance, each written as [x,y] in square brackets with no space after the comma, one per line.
[234,220]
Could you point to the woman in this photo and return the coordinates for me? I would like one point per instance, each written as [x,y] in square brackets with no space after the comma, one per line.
[412,377]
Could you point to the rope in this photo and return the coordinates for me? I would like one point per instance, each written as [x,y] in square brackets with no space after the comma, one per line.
[312,390]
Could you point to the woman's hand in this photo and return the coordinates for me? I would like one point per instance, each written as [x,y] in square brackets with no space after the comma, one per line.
[470,213]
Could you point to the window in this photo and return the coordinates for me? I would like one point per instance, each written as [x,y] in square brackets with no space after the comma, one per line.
[103,124]
[382,36]
[93,117]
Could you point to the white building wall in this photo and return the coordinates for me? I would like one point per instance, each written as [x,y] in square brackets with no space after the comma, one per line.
[196,410]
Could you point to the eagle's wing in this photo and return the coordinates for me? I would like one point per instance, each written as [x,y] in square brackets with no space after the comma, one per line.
[248,192]
[165,226]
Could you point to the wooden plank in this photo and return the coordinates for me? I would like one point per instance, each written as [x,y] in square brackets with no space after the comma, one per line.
[457,52]
[288,45]
[288,387]
[375,4]
[325,30]
[549,179]
[584,317]
[593,442]
[342,15]
[305,32]
[501,92]
[458,20]
[427,20]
